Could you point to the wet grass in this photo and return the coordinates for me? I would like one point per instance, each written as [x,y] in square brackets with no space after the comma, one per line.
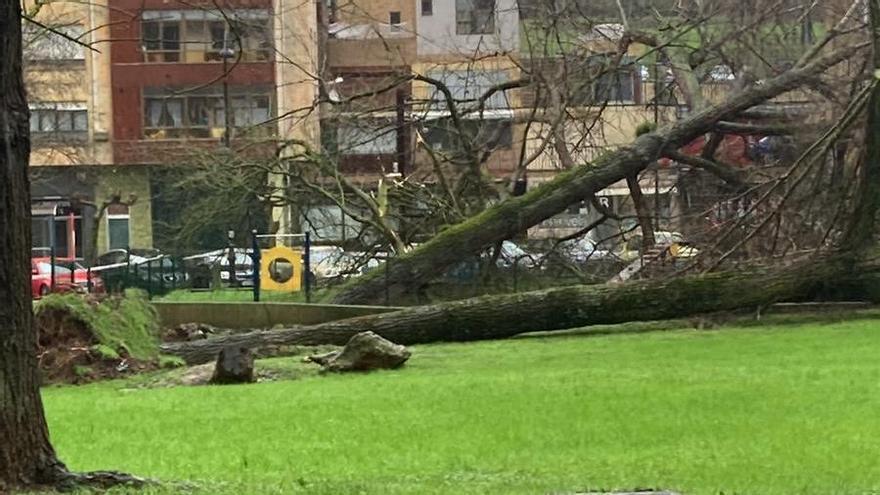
[758,410]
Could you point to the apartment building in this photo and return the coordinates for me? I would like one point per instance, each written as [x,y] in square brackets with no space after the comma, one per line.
[168,82]
[71,159]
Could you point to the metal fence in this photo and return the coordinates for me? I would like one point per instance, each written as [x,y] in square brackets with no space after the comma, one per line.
[224,268]
[290,263]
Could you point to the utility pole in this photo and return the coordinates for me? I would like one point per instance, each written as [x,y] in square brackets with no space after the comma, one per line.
[226,53]
[402,134]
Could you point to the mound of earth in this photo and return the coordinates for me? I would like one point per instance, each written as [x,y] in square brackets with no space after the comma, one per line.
[70,349]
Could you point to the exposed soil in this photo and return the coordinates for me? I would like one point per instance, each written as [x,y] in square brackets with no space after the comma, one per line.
[67,351]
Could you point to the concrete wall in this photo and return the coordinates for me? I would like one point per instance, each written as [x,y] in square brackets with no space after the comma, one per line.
[348,54]
[257,315]
[377,11]
[437,36]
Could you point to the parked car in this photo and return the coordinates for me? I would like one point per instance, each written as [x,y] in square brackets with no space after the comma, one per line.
[327,261]
[244,269]
[584,250]
[77,280]
[162,269]
[134,256]
[333,262]
[513,255]
[201,267]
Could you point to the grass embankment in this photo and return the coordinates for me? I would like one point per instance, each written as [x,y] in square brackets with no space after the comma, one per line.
[83,338]
[127,324]
[773,410]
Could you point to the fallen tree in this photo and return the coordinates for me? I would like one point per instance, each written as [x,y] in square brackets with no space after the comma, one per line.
[502,316]
[515,215]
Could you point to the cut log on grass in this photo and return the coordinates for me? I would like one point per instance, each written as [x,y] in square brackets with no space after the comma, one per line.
[365,351]
[502,316]
[514,216]
[235,364]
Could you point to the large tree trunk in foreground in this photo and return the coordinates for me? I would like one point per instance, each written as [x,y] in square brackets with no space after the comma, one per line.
[26,456]
[496,317]
[515,215]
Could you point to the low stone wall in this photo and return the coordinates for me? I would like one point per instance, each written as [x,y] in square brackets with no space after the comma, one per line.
[258,315]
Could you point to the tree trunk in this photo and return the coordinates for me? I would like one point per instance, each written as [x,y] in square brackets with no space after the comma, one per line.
[496,317]
[26,456]
[642,213]
[862,229]
[515,215]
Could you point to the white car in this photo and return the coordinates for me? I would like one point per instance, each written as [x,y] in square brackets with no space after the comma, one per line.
[513,255]
[327,261]
[583,250]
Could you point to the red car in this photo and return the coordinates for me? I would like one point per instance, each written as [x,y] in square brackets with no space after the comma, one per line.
[41,277]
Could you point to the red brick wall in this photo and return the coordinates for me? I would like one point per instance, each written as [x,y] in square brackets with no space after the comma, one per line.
[130,75]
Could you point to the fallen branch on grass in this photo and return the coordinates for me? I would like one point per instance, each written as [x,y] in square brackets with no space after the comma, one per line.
[503,316]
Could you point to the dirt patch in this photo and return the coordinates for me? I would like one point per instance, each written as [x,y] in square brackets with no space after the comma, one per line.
[70,352]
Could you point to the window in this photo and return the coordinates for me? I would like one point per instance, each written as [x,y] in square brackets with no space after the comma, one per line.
[474,16]
[118,230]
[394,19]
[601,82]
[40,44]
[204,115]
[427,7]
[59,120]
[42,234]
[488,134]
[615,86]
[161,41]
[469,86]
[367,138]
[194,36]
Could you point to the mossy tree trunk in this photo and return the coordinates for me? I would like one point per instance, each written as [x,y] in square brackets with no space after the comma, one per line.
[515,215]
[26,455]
[496,317]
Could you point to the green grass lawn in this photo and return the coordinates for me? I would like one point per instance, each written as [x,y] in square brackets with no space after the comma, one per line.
[229,295]
[779,410]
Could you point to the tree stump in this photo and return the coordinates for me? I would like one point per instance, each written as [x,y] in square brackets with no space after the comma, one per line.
[365,351]
[235,364]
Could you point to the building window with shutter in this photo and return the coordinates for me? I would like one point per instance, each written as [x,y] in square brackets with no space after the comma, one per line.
[427,7]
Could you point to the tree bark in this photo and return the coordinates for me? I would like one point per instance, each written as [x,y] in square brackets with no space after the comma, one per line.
[860,235]
[497,317]
[26,455]
[515,215]
[642,213]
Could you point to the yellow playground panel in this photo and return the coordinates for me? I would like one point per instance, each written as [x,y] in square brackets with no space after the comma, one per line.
[281,269]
